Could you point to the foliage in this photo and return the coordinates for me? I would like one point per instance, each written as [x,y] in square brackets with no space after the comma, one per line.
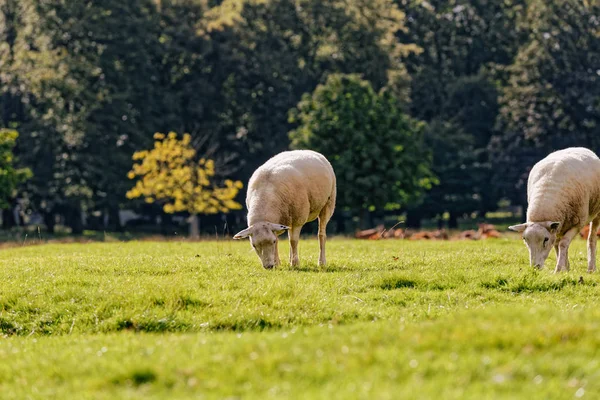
[552,99]
[44,98]
[10,177]
[83,83]
[171,174]
[454,87]
[266,54]
[554,87]
[351,329]
[376,150]
[458,139]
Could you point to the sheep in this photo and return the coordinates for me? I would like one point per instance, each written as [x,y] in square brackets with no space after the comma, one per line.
[563,194]
[286,192]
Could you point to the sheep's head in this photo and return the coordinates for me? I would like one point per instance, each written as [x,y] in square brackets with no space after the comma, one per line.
[539,237]
[263,238]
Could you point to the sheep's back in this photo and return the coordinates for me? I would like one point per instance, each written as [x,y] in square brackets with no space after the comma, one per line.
[565,187]
[291,183]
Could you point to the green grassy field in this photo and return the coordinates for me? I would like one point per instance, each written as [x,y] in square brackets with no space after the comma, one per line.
[385,320]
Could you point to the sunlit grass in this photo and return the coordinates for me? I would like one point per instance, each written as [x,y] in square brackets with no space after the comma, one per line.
[388,319]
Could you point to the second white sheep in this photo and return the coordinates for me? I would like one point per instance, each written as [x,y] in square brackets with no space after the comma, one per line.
[563,192]
[286,192]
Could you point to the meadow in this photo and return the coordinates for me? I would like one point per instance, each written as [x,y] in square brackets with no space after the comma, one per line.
[384,319]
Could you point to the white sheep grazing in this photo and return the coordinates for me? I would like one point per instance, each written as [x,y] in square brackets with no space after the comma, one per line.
[563,192]
[286,192]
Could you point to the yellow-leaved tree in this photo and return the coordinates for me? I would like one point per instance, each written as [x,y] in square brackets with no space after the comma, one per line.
[171,174]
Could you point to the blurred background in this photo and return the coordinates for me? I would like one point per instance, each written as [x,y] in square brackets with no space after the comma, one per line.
[431,112]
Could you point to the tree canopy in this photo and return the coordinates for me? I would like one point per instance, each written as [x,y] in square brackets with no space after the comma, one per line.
[376,150]
[552,97]
[494,85]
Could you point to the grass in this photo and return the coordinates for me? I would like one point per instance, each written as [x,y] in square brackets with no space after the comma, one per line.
[387,319]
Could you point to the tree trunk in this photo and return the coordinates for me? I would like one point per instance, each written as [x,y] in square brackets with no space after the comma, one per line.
[49,221]
[19,221]
[115,221]
[364,219]
[166,222]
[378,217]
[413,219]
[194,226]
[453,221]
[8,218]
[340,219]
[440,223]
[75,220]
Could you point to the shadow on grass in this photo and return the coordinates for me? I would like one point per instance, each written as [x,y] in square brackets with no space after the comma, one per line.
[528,284]
[402,282]
[136,378]
[313,268]
[152,326]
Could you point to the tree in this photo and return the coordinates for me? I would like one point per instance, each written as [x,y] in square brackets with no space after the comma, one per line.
[266,54]
[10,177]
[375,149]
[171,174]
[552,99]
[458,139]
[49,83]
[84,81]
[111,53]
[455,89]
[89,81]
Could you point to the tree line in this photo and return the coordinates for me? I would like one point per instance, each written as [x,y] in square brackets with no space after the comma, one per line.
[424,107]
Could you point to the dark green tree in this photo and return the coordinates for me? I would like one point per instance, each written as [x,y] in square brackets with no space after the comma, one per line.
[552,99]
[460,157]
[121,43]
[375,148]
[455,81]
[45,86]
[269,53]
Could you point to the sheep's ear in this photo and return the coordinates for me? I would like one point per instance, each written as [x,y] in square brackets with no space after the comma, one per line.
[243,234]
[552,226]
[519,228]
[278,228]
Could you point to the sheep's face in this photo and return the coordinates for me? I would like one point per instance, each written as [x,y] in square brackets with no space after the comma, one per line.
[539,237]
[263,238]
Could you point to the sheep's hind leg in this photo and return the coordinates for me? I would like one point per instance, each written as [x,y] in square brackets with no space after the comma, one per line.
[591,245]
[294,235]
[323,220]
[562,263]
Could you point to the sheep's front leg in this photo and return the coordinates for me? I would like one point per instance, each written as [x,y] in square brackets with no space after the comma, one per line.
[591,245]
[568,262]
[562,263]
[294,235]
[277,260]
